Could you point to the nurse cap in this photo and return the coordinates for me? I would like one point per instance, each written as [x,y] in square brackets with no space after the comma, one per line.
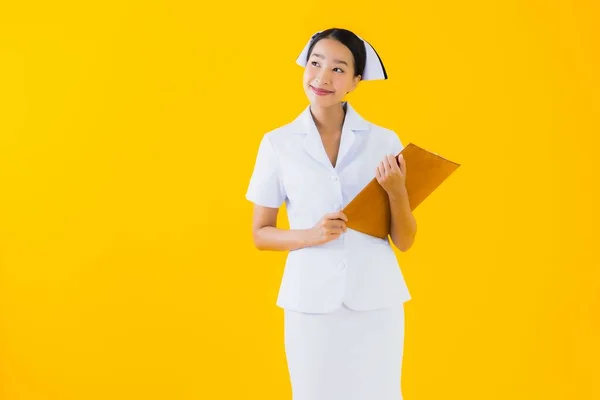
[374,69]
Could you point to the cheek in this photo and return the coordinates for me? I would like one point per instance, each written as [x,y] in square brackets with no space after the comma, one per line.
[308,75]
[343,84]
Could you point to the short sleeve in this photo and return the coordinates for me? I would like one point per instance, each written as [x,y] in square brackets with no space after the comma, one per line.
[265,187]
[396,145]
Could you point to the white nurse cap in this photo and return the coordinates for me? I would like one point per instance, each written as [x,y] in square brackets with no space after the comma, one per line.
[374,69]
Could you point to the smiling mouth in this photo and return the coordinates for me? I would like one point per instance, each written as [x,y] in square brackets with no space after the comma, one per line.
[320,92]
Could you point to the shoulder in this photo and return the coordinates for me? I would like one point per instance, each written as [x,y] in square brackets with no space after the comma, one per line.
[276,139]
[382,131]
[384,136]
[280,133]
[381,135]
[283,136]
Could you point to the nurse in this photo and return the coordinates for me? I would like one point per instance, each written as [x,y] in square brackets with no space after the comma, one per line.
[342,291]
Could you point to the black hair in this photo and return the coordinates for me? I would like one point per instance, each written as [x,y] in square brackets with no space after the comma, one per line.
[348,39]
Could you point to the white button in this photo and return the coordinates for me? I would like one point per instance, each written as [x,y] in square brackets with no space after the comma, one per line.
[343,265]
[334,178]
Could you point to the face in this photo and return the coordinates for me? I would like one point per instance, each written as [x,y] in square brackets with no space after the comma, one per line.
[329,73]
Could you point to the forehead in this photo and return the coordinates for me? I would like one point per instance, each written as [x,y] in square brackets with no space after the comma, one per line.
[332,49]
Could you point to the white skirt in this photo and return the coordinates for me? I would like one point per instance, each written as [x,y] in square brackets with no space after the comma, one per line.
[345,355]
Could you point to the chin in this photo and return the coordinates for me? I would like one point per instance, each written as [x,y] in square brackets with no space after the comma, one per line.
[326,101]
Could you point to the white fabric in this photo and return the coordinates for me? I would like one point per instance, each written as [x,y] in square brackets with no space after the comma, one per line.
[345,355]
[292,166]
[374,69]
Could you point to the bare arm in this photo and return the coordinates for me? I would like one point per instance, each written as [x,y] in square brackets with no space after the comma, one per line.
[403,225]
[391,174]
[267,236]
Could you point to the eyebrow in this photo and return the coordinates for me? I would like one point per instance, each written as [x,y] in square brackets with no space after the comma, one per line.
[335,61]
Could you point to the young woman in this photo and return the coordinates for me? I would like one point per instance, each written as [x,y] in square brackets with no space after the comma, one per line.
[342,291]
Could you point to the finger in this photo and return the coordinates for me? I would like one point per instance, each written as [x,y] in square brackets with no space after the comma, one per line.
[337,215]
[386,165]
[332,230]
[383,166]
[331,238]
[381,169]
[394,163]
[337,224]
[402,162]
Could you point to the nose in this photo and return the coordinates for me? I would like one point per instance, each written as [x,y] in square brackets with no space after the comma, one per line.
[323,77]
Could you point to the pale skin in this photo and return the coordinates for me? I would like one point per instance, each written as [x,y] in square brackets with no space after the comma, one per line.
[391,175]
[330,67]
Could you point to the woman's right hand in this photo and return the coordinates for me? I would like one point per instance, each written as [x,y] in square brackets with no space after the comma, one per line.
[329,228]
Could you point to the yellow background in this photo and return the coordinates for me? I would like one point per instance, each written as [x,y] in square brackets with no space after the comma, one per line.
[128,132]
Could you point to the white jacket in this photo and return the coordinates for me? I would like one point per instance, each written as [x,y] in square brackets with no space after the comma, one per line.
[292,167]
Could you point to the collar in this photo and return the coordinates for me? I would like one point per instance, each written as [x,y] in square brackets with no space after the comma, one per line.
[305,124]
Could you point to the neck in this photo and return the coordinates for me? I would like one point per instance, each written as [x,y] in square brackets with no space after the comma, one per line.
[329,120]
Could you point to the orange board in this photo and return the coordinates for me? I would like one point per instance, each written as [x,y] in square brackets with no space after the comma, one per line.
[369,212]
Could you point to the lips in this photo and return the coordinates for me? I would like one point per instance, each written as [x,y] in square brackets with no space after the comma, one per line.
[320,92]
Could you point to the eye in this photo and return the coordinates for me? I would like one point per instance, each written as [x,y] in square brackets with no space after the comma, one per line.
[314,63]
[339,70]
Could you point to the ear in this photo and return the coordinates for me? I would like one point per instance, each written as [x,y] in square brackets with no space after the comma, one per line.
[356,81]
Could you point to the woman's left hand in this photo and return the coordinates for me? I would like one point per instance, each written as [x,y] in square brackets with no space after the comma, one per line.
[391,175]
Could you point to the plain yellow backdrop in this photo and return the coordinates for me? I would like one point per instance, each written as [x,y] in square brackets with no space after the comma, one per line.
[128,132]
